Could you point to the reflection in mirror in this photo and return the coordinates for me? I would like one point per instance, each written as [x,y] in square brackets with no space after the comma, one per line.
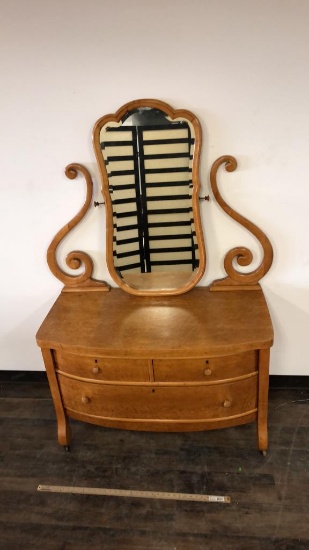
[148,161]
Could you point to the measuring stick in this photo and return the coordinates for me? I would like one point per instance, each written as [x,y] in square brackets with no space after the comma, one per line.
[131,493]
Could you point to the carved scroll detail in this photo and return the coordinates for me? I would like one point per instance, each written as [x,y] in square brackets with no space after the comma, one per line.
[243,256]
[77,258]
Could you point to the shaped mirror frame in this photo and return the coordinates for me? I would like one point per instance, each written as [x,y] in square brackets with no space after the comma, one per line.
[166,280]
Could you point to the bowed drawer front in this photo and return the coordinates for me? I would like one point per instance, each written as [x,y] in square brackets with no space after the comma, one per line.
[163,402]
[159,391]
[205,369]
[100,368]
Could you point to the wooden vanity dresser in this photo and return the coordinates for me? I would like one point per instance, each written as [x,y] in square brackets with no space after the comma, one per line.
[196,361]
[171,358]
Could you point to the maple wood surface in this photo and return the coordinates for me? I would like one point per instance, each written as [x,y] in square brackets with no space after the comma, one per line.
[196,324]
[194,361]
[148,402]
[239,255]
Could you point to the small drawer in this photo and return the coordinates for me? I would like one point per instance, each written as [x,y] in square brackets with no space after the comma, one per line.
[99,368]
[205,369]
[159,402]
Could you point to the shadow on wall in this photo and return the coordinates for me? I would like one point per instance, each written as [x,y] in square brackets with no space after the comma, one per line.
[288,307]
[19,350]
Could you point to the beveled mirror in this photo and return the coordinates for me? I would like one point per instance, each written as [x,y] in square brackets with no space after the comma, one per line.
[148,155]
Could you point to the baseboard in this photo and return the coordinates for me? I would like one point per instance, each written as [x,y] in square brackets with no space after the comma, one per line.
[275,381]
[288,382]
[21,376]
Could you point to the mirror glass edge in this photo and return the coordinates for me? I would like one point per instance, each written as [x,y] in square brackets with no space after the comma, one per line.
[173,114]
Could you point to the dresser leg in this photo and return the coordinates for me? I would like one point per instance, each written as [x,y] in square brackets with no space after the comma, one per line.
[263,400]
[64,432]
[64,429]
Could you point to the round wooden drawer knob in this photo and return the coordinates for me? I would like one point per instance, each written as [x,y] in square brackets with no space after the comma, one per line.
[227,403]
[85,400]
[96,370]
[207,372]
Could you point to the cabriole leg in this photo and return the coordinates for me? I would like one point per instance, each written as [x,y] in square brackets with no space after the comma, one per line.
[63,427]
[263,400]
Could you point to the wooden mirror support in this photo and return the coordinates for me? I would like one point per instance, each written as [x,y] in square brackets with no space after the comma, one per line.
[77,258]
[158,283]
[193,361]
[242,255]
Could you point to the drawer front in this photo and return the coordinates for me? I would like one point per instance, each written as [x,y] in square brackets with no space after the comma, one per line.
[207,369]
[98,368]
[159,402]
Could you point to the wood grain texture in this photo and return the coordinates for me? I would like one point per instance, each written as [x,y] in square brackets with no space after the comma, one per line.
[269,508]
[180,403]
[77,258]
[198,324]
[63,428]
[205,369]
[188,362]
[100,368]
[242,255]
[263,399]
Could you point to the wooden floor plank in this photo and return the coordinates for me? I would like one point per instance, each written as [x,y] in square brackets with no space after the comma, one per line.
[270,495]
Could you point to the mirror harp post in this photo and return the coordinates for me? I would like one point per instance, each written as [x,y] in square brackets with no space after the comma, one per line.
[148,156]
[77,258]
[236,280]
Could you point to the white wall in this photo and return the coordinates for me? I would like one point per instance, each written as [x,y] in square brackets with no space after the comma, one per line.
[240,65]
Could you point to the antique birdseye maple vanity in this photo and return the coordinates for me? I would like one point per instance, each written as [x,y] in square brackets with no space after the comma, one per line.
[158,353]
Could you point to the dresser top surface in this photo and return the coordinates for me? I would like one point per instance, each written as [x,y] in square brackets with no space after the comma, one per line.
[197,323]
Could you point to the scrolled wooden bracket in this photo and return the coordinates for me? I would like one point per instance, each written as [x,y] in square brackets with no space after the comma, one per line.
[242,255]
[77,258]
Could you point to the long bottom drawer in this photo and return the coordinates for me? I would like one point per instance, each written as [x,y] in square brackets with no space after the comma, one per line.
[159,402]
